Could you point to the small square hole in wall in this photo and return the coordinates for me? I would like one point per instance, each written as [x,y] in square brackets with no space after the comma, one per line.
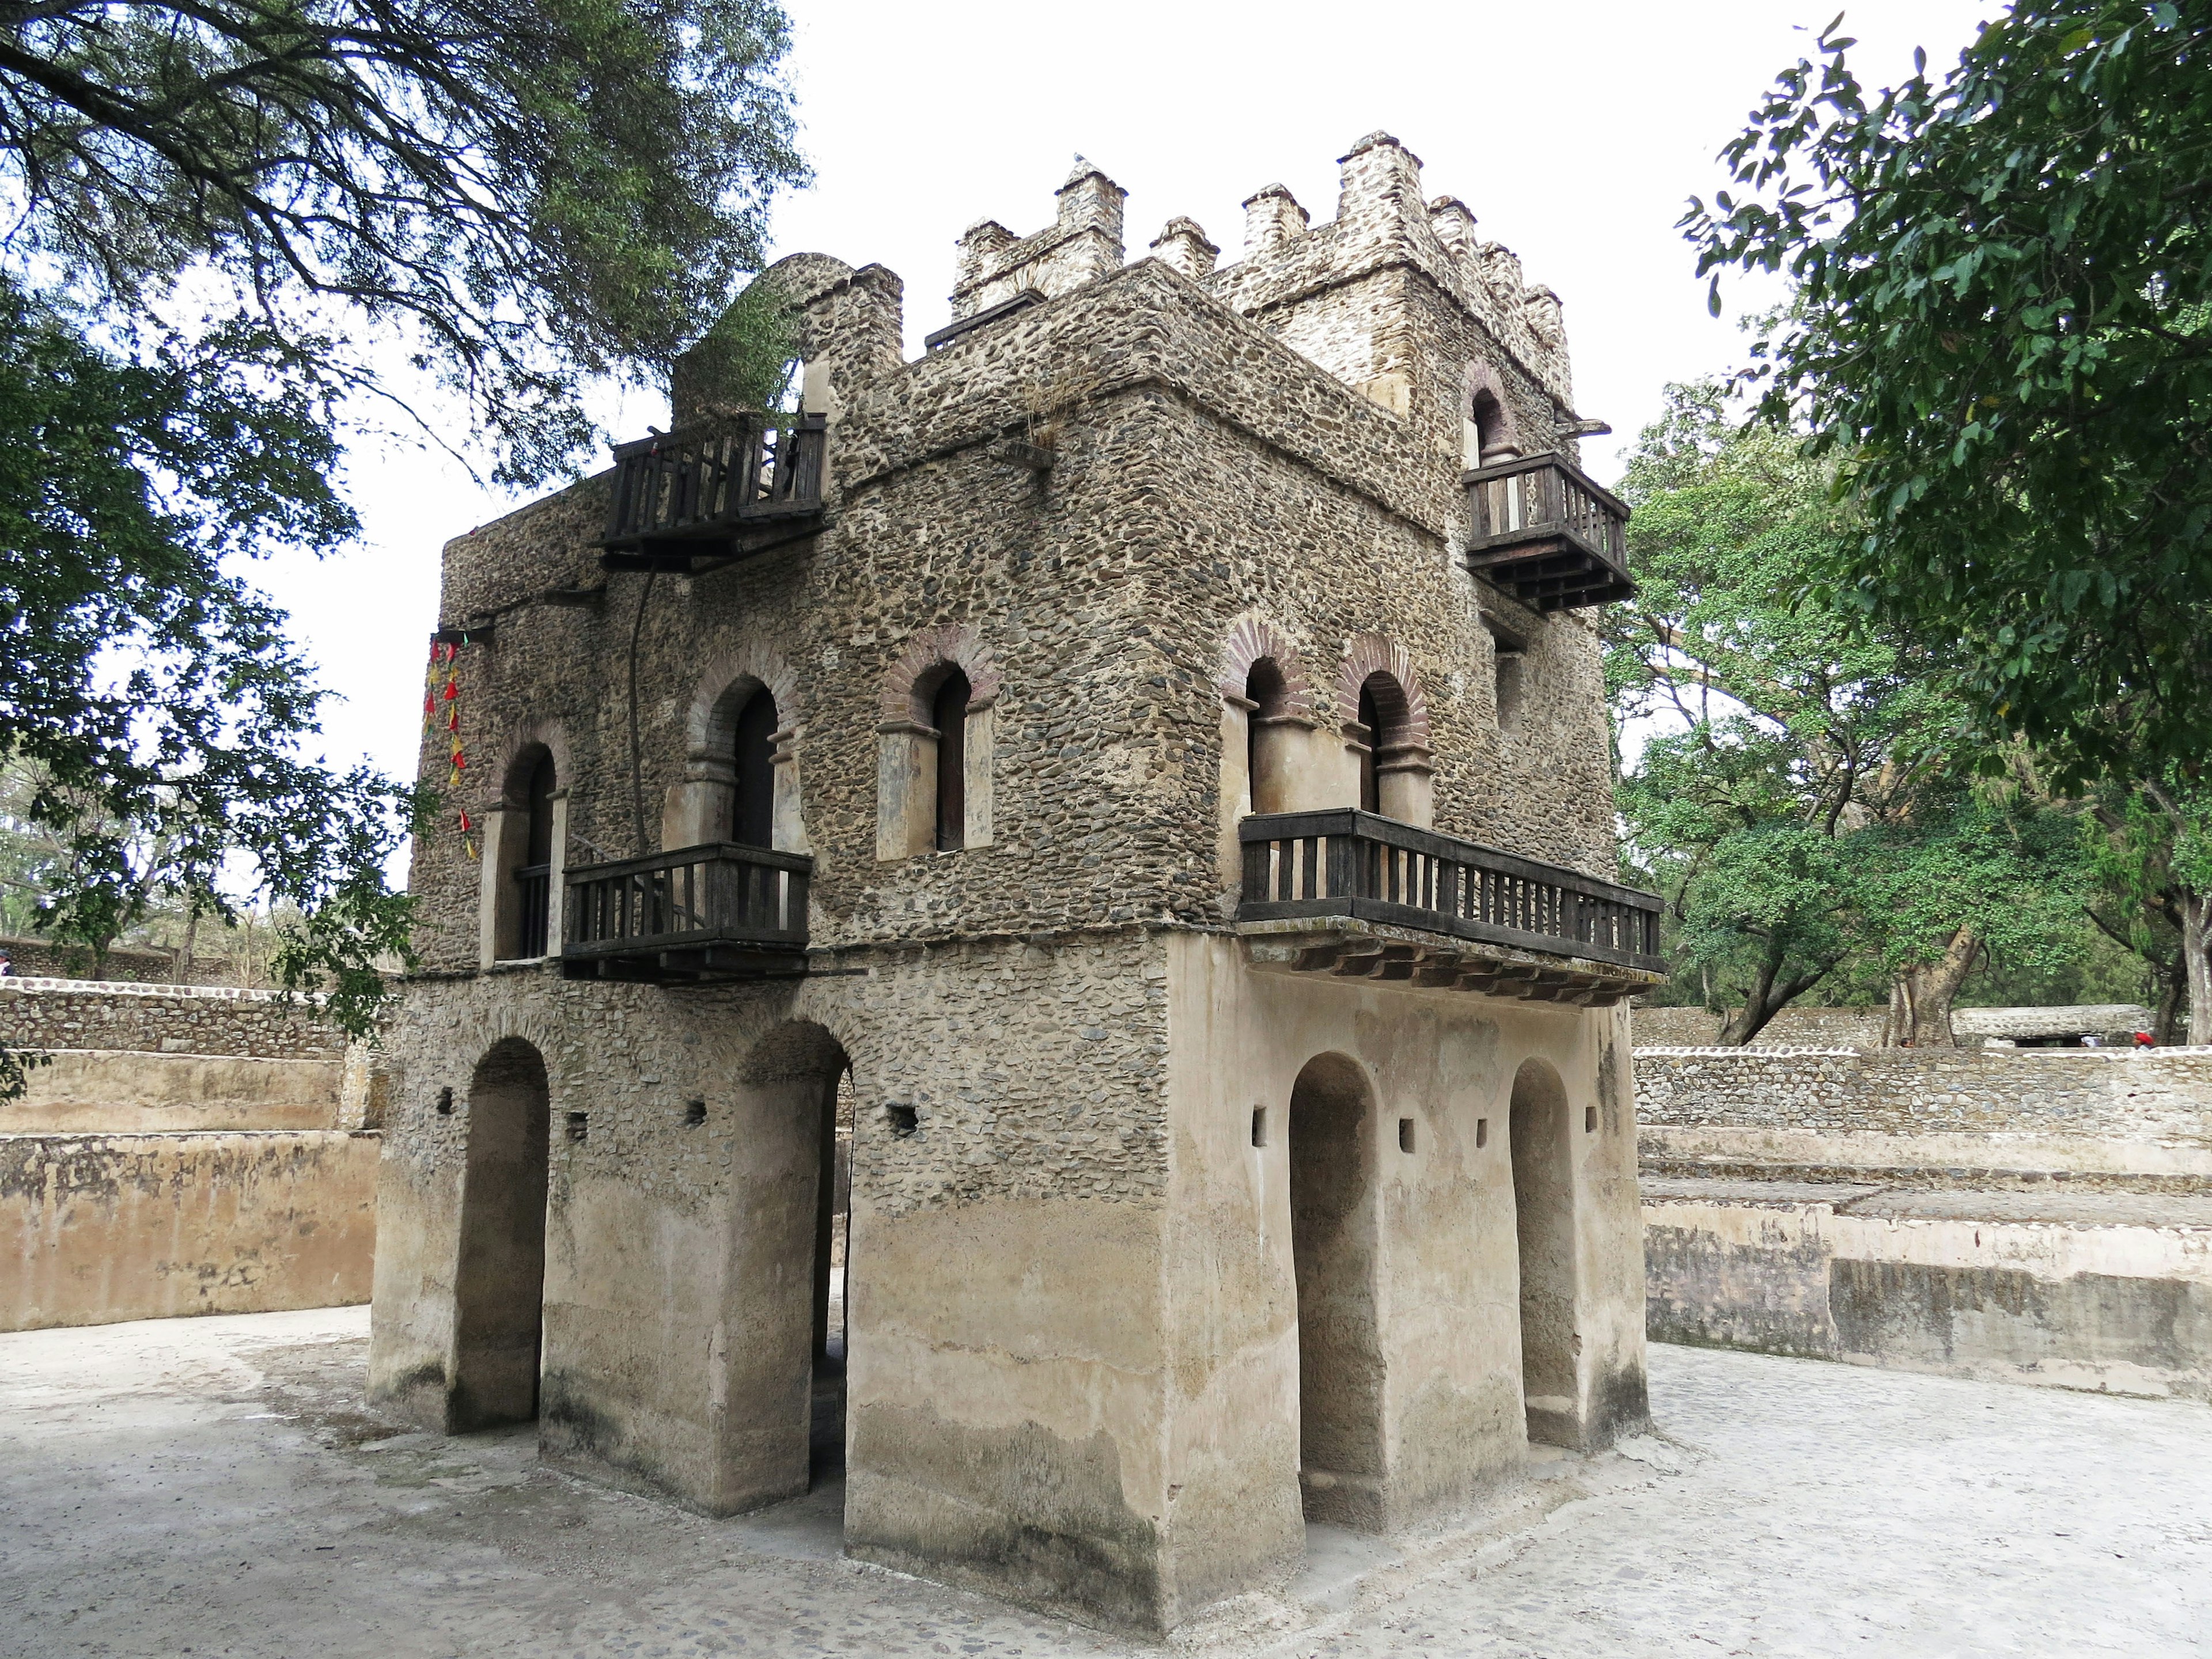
[695,1114]
[1405,1135]
[1482,1132]
[1259,1126]
[903,1119]
[580,1125]
[445,1103]
[1589,1120]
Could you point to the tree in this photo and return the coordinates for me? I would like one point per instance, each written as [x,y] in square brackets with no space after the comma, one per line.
[1801,792]
[230,213]
[153,705]
[2001,337]
[531,190]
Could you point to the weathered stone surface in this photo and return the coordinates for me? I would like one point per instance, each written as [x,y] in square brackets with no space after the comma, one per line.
[1073,1373]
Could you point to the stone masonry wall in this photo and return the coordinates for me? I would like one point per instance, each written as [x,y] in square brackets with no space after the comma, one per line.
[163,1020]
[1033,1069]
[1104,609]
[2155,1095]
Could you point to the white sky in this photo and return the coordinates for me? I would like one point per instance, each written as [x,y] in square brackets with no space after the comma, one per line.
[1573,132]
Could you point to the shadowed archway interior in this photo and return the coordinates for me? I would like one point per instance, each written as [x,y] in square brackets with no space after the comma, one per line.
[1544,1221]
[1333,1243]
[500,1280]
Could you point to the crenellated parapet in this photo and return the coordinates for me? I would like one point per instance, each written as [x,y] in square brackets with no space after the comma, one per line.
[1082,244]
[1384,222]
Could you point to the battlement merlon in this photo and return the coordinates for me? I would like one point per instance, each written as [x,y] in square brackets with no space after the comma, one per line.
[1082,244]
[1383,220]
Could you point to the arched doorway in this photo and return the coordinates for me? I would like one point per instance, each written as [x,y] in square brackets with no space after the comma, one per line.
[1544,1223]
[1333,1227]
[797,1097]
[499,1282]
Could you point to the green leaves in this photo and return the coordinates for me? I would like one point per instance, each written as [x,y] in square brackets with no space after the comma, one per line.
[155,700]
[2003,281]
[531,191]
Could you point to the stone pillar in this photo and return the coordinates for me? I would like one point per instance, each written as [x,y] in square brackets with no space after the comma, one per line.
[1272,218]
[1183,246]
[1380,186]
[493,871]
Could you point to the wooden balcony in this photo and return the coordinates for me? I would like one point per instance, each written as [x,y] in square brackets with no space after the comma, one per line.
[1547,535]
[714,493]
[694,915]
[1348,893]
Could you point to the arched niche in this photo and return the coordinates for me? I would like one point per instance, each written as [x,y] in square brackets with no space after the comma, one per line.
[934,782]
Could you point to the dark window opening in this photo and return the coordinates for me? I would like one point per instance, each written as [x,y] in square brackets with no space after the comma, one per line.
[695,1113]
[1259,1126]
[753,818]
[948,713]
[1405,1135]
[534,875]
[579,1126]
[903,1119]
[1264,688]
[1487,417]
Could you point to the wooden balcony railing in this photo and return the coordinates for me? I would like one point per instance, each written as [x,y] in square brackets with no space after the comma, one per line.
[1344,862]
[715,490]
[1547,535]
[534,901]
[717,911]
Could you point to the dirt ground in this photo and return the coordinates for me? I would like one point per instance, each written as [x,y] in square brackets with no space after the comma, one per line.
[211,1486]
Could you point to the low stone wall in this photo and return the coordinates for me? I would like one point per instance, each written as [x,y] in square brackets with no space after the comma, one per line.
[163,1020]
[2110,1291]
[109,1091]
[95,1229]
[2042,1215]
[2085,1115]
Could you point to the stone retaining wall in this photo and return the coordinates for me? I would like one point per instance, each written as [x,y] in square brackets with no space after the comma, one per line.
[2040,1215]
[195,1019]
[95,1229]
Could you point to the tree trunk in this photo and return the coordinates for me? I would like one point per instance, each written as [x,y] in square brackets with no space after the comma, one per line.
[1920,998]
[2165,1024]
[2195,941]
[1768,996]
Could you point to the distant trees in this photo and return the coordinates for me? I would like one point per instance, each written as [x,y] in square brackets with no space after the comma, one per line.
[2001,343]
[1800,791]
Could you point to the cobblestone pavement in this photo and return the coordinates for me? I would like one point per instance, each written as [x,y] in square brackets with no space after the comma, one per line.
[209,1486]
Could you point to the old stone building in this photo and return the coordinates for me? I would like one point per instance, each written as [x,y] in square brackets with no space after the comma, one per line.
[1142,766]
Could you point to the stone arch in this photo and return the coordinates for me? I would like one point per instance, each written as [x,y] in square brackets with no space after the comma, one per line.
[525,847]
[1488,417]
[1252,639]
[1386,725]
[913,810]
[1334,1248]
[732,676]
[1541,1144]
[702,806]
[526,741]
[1370,654]
[499,1276]
[914,675]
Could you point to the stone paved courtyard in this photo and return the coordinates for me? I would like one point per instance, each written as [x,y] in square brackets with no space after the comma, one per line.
[210,1487]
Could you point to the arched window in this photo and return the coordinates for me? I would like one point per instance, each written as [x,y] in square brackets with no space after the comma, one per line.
[520,859]
[935,752]
[1385,728]
[1489,433]
[948,709]
[753,817]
